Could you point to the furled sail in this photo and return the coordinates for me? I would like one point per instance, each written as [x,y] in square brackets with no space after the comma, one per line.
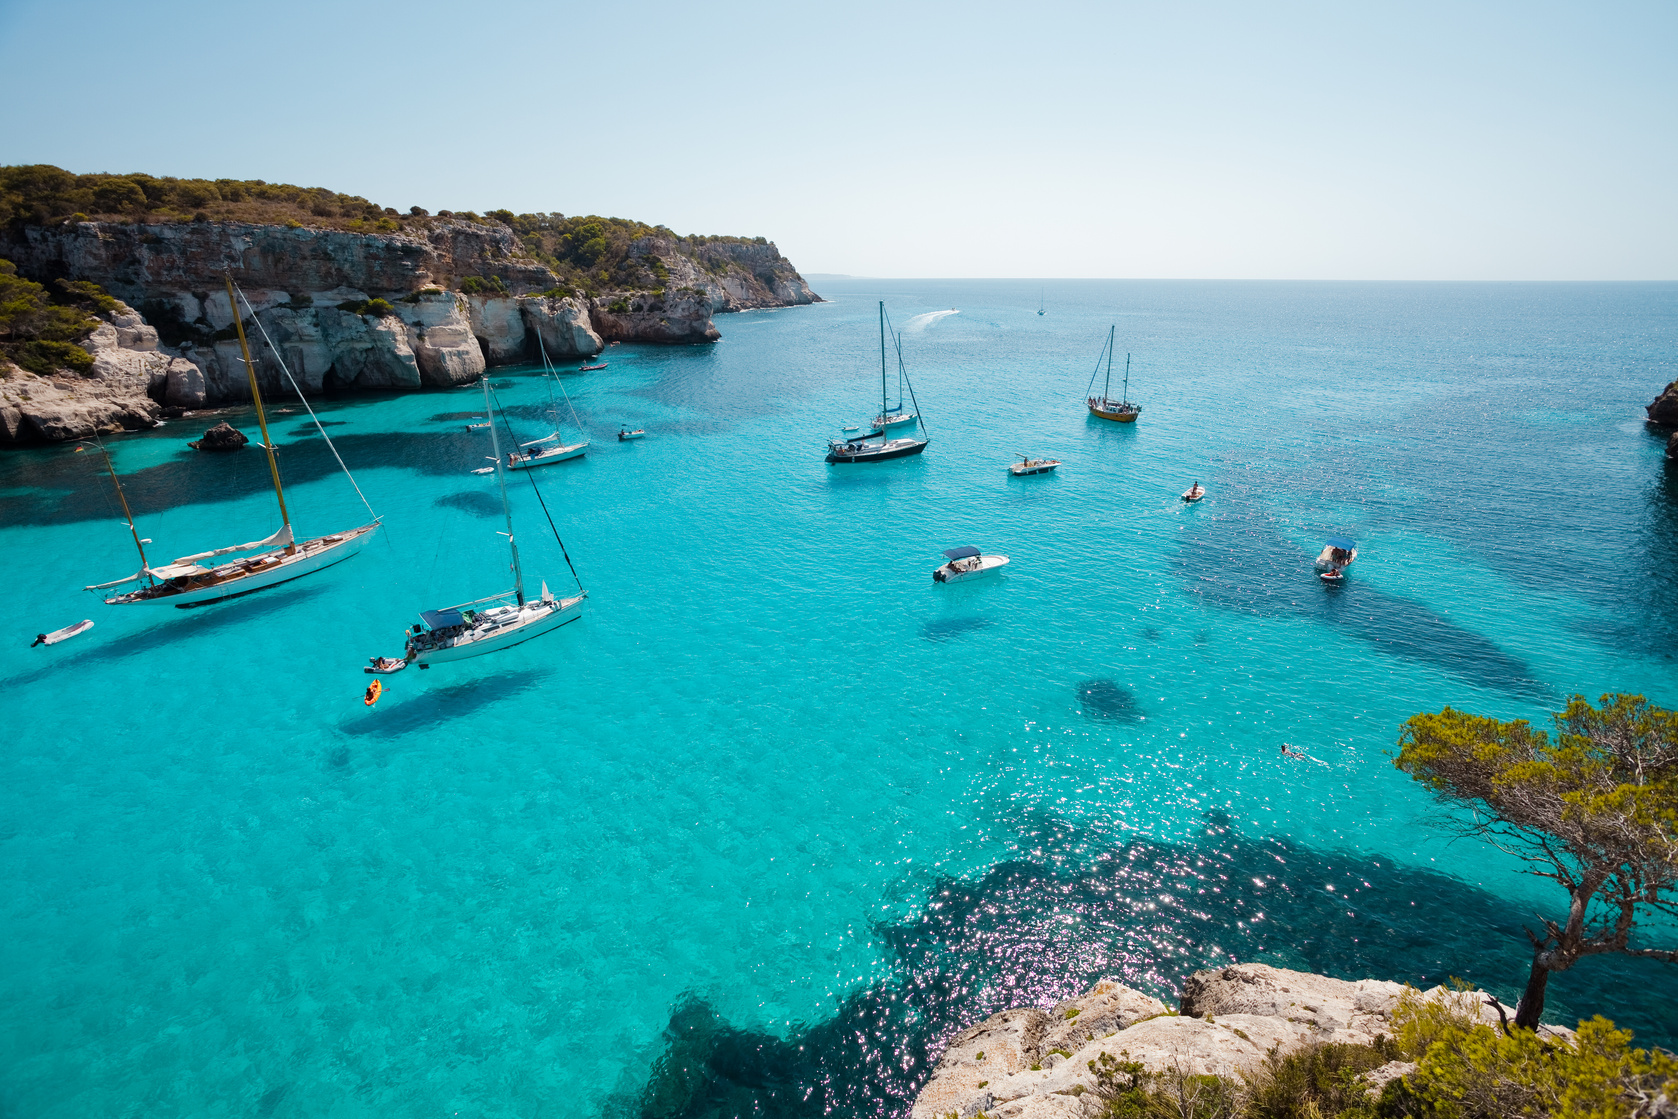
[280,539]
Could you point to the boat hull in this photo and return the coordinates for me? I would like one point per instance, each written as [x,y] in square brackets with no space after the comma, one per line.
[988,565]
[560,454]
[311,556]
[1023,469]
[895,448]
[1118,414]
[537,618]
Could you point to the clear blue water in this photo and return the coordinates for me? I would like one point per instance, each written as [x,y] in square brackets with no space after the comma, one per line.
[780,812]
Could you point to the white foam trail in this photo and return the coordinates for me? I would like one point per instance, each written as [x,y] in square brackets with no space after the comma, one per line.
[921,322]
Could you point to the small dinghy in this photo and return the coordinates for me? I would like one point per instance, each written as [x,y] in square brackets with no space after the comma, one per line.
[967,563]
[1028,465]
[1194,492]
[475,427]
[625,435]
[591,368]
[384,666]
[1337,555]
[64,634]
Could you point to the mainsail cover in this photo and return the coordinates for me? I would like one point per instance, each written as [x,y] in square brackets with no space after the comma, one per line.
[280,539]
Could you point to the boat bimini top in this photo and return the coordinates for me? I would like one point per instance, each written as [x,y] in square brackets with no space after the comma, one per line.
[964,552]
[442,619]
[1342,543]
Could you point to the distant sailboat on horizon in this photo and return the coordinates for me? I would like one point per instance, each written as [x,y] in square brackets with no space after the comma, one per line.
[1040,303]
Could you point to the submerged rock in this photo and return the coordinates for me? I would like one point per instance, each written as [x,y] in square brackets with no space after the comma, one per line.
[223,437]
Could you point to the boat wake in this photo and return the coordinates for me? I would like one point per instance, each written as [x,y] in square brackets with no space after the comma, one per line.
[920,322]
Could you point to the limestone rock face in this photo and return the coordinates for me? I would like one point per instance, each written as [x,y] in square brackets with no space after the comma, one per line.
[684,316]
[498,323]
[563,324]
[1672,448]
[1663,409]
[1329,1004]
[130,375]
[223,437]
[1230,1019]
[307,290]
[441,338]
[137,262]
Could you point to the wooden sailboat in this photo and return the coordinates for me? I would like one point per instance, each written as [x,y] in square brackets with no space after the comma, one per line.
[1104,405]
[186,582]
[486,625]
[858,449]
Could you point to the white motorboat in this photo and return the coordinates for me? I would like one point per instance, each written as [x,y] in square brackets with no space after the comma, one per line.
[541,452]
[186,581]
[625,435]
[1029,465]
[967,563]
[486,625]
[1194,492]
[1337,555]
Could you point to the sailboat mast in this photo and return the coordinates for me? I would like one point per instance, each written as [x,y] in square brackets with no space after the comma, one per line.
[126,512]
[261,417]
[883,412]
[501,481]
[1127,378]
[1107,385]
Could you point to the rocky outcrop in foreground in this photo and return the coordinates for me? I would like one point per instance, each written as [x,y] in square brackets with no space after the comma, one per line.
[1030,1063]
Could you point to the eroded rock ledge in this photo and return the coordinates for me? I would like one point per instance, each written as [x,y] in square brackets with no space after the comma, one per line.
[349,311]
[1031,1063]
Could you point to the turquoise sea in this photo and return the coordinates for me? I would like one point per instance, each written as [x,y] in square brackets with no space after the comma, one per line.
[780,813]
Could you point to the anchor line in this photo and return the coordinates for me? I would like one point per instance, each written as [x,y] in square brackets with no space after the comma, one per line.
[534,488]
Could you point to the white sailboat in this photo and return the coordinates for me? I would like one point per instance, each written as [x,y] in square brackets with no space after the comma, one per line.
[486,625]
[188,582]
[857,448]
[551,447]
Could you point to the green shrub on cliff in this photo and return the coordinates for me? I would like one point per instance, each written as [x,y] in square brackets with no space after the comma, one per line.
[1465,1069]
[40,194]
[39,333]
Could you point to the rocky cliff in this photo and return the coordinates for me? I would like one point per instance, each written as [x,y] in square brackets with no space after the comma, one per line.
[1033,1063]
[1663,412]
[430,305]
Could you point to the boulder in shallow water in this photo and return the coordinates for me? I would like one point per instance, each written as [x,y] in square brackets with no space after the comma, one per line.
[223,437]
[1664,409]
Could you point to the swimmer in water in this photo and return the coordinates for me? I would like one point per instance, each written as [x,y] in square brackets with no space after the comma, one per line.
[1289,751]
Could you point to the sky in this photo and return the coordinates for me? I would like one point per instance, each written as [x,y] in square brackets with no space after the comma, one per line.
[1418,141]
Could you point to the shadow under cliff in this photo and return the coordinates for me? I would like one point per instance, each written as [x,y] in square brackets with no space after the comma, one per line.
[1035,930]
